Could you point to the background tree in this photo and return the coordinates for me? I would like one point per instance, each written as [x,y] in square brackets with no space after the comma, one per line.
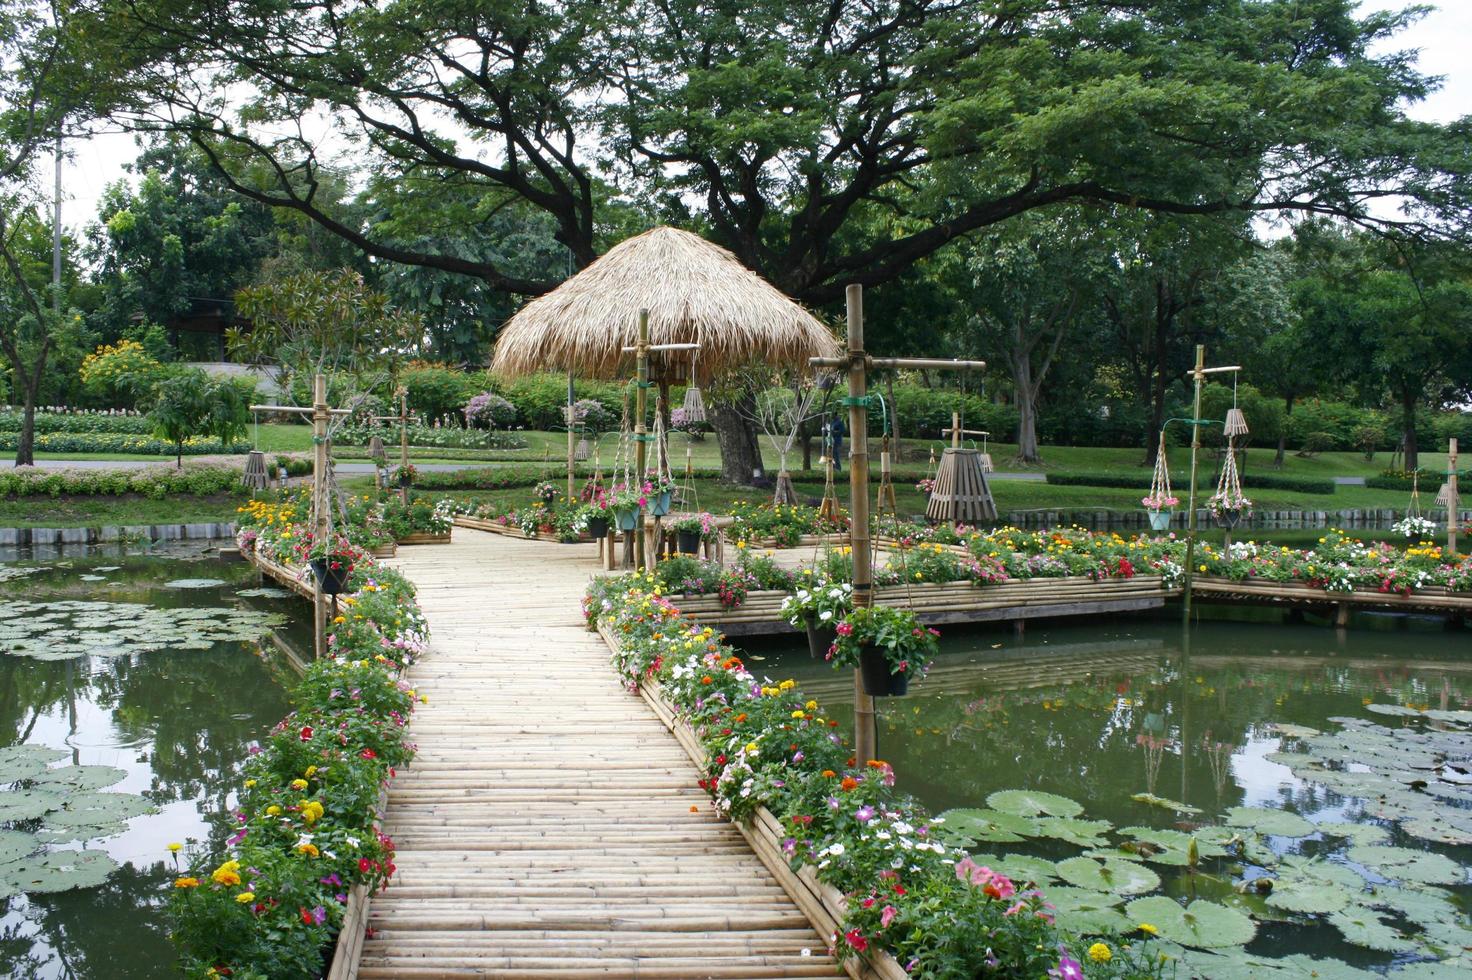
[784,130]
[190,403]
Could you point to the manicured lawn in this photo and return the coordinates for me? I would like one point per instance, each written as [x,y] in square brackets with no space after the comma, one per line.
[97,511]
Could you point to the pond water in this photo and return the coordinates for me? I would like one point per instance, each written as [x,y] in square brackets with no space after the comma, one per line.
[129,684]
[1236,723]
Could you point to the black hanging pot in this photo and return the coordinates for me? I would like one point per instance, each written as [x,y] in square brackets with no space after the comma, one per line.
[820,638]
[1228,517]
[332,581]
[688,541]
[878,681]
[405,481]
[598,527]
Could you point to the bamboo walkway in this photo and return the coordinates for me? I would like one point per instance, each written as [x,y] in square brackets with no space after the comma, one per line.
[550,826]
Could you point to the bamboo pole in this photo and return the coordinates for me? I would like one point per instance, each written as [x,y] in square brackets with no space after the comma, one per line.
[403,440]
[858,527]
[1198,374]
[1453,506]
[571,444]
[641,432]
[320,510]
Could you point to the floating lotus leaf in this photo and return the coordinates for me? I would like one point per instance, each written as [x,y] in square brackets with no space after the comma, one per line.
[98,808]
[992,826]
[28,804]
[1438,826]
[1238,964]
[1086,912]
[59,871]
[1458,969]
[25,761]
[1169,846]
[1031,803]
[81,777]
[1308,896]
[1084,833]
[92,578]
[1394,710]
[1019,867]
[194,583]
[1455,716]
[1274,823]
[49,834]
[1293,760]
[1293,731]
[1405,864]
[1165,803]
[1109,875]
[15,845]
[1200,924]
[1424,906]
[69,629]
[1363,927]
[1448,937]
[1355,833]
[266,592]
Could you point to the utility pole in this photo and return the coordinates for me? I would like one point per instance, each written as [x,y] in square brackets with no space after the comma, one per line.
[858,363]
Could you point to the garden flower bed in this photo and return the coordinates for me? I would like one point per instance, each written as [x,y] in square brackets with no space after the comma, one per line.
[860,858]
[307,848]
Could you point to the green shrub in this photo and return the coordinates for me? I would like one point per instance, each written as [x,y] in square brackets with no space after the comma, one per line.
[438,392]
[1431,481]
[541,398]
[923,412]
[154,483]
[10,421]
[118,442]
[1321,426]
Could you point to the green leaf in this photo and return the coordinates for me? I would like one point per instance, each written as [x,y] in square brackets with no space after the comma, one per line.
[59,871]
[1083,833]
[1405,864]
[1363,927]
[1200,924]
[1030,803]
[1169,846]
[1274,823]
[15,845]
[1165,803]
[1109,875]
[993,826]
[80,777]
[27,804]
[24,761]
[1355,833]
[1019,867]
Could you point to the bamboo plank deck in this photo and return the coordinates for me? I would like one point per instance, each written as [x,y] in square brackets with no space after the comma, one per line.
[550,826]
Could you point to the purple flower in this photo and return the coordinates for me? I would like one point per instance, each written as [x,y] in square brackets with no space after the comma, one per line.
[833,803]
[797,756]
[1068,969]
[864,814]
[789,846]
[237,837]
[319,916]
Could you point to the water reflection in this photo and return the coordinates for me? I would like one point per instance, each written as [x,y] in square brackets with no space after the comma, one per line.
[178,722]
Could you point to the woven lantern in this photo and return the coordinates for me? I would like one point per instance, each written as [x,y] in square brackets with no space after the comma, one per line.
[375,449]
[1236,424]
[961,493]
[254,477]
[1444,495]
[694,406]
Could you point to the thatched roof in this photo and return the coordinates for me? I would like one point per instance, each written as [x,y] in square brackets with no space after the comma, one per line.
[695,292]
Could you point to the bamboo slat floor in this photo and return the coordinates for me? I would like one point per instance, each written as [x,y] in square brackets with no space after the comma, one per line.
[550,826]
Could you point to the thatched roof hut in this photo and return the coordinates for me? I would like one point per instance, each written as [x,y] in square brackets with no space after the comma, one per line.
[695,292]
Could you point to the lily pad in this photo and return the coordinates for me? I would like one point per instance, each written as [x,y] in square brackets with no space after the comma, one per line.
[1086,912]
[1308,896]
[80,809]
[15,845]
[1031,803]
[1274,823]
[194,583]
[1364,927]
[1164,803]
[1170,846]
[25,761]
[1355,833]
[1204,925]
[1406,864]
[992,826]
[1019,867]
[1083,833]
[81,777]
[59,871]
[28,804]
[1109,875]
[266,592]
[1293,731]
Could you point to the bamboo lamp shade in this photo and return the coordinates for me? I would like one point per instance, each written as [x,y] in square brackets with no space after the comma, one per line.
[1444,495]
[254,477]
[375,449]
[1236,424]
[694,405]
[961,494]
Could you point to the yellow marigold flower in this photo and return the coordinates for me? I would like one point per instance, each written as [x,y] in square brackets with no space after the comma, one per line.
[273,810]
[811,705]
[298,784]
[752,748]
[227,874]
[799,713]
[310,772]
[1100,953]
[311,811]
[245,898]
[249,783]
[310,850]
[787,685]
[175,848]
[1148,929]
[186,882]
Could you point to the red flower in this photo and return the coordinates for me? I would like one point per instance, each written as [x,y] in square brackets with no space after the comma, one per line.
[368,754]
[856,940]
[306,733]
[306,916]
[364,865]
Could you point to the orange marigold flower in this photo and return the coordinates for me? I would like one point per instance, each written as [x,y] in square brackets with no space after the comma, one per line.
[848,783]
[706,679]
[829,774]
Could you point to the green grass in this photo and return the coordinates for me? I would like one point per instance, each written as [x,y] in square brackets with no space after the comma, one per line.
[97,511]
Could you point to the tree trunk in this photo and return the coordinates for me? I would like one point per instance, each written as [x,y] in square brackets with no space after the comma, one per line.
[25,446]
[1027,409]
[741,453]
[178,455]
[1408,426]
[1283,432]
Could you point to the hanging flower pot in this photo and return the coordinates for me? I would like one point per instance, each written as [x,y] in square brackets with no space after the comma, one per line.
[1160,520]
[659,504]
[627,519]
[820,638]
[332,573]
[878,680]
[688,542]
[598,527]
[1228,517]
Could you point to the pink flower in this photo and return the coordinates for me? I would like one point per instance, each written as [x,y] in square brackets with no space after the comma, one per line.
[886,916]
[864,814]
[1068,969]
[845,629]
[1014,909]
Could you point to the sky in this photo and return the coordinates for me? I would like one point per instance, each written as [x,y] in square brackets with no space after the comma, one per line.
[1443,38]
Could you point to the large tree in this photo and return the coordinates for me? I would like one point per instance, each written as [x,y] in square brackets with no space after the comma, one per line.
[774,124]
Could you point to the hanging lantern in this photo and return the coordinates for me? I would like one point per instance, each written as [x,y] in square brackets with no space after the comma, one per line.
[254,477]
[694,406]
[961,494]
[1444,495]
[1236,422]
[375,449]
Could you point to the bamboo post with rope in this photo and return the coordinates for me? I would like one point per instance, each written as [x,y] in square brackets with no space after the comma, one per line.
[858,363]
[1453,504]
[1198,374]
[404,417]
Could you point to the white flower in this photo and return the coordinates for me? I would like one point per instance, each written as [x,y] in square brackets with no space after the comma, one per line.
[352,842]
[805,952]
[825,615]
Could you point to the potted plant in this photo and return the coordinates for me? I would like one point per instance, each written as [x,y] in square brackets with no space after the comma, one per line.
[1159,507]
[331,564]
[593,518]
[1414,527]
[625,502]
[661,494]
[691,531]
[817,609]
[888,645]
[1228,507]
[546,492]
[405,475]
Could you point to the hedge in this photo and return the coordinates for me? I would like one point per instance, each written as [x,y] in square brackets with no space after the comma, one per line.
[155,483]
[1141,481]
[1431,481]
[10,421]
[424,435]
[118,442]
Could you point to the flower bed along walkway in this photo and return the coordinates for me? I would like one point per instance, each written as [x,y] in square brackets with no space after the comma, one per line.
[550,825]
